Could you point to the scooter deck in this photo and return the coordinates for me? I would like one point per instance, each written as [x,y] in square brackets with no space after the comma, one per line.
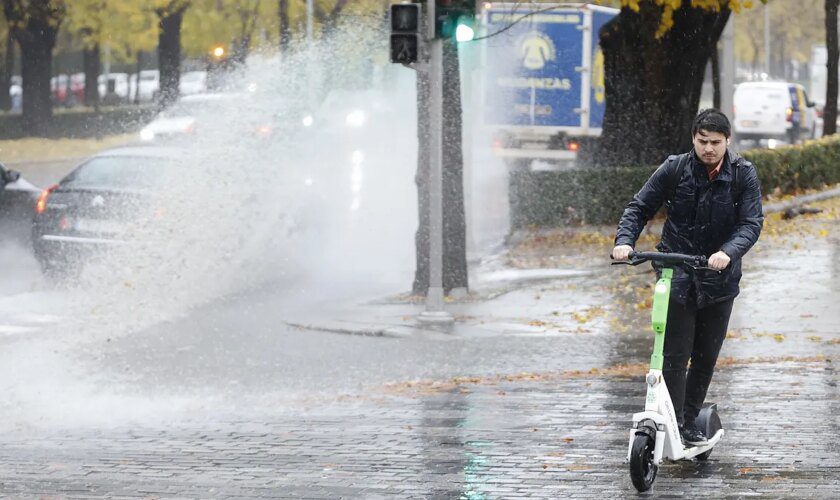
[693,451]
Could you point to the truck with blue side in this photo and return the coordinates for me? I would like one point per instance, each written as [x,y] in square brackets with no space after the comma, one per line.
[543,82]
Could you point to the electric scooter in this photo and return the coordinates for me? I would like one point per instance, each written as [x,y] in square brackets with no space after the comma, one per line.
[655,434]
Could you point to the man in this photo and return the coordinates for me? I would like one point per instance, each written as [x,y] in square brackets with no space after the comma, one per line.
[713,209]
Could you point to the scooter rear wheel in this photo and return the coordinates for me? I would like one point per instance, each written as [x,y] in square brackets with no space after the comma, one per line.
[708,421]
[642,469]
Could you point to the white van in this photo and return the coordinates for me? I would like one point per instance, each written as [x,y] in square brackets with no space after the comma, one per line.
[773,110]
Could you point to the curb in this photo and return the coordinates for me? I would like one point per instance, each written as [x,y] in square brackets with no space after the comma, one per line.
[363,330]
[801,200]
[56,161]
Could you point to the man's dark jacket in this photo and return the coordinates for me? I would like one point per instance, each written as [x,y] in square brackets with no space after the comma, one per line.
[703,217]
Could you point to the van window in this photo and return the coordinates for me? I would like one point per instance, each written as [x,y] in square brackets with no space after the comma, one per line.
[752,97]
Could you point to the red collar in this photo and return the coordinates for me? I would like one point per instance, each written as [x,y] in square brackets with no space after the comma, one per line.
[713,173]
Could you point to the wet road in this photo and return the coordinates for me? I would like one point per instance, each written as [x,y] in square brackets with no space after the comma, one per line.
[560,437]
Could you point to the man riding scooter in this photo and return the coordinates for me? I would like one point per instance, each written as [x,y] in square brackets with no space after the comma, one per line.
[714,209]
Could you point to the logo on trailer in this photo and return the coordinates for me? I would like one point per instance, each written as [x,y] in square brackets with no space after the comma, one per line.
[537,50]
[598,83]
[97,201]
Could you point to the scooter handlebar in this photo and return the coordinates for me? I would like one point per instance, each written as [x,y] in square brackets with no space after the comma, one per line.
[693,261]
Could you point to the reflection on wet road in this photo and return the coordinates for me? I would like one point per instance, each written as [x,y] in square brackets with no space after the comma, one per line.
[556,438]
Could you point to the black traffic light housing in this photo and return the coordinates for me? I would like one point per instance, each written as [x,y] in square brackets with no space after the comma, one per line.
[450,13]
[405,33]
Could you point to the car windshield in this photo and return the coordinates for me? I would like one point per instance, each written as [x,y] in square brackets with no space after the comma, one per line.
[119,172]
[183,110]
[191,108]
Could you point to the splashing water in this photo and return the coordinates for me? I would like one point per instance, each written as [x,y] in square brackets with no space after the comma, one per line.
[255,197]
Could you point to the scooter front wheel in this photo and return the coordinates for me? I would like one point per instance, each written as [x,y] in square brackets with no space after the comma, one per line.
[642,469]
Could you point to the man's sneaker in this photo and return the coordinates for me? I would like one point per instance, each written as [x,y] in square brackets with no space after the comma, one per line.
[691,435]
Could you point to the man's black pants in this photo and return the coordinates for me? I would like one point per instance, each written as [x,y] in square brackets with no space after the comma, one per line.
[695,334]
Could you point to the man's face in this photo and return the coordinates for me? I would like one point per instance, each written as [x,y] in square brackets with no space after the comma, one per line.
[710,147]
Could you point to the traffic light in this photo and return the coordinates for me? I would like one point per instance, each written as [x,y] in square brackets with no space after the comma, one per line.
[455,19]
[405,33]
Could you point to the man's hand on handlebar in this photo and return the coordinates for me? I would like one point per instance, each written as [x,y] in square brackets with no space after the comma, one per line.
[622,252]
[718,261]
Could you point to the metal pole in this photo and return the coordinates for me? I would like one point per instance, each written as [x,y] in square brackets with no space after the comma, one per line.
[106,62]
[309,15]
[727,68]
[434,312]
[767,39]
[310,91]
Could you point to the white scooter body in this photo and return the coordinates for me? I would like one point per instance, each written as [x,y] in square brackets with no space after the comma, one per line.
[660,409]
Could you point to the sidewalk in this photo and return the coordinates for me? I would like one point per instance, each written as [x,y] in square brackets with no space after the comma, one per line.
[560,437]
[557,281]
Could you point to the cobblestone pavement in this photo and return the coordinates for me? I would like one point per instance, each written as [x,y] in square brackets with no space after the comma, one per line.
[559,435]
[208,395]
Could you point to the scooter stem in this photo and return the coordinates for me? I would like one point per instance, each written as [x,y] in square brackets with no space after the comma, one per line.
[659,316]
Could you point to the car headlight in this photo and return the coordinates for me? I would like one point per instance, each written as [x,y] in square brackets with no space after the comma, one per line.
[308,120]
[147,135]
[355,118]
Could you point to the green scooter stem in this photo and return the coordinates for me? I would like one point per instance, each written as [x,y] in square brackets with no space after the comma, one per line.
[659,316]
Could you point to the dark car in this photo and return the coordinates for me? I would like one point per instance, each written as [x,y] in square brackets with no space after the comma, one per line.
[96,206]
[17,198]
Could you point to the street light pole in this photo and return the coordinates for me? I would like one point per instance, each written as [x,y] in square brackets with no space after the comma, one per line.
[434,312]
[310,92]
[727,67]
[309,15]
[767,39]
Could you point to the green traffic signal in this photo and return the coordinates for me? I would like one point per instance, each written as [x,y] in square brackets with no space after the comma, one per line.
[465,31]
[455,19]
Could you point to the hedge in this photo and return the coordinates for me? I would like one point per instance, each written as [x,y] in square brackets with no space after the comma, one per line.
[599,195]
[83,123]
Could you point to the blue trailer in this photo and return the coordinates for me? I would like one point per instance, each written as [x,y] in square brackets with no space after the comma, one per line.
[543,82]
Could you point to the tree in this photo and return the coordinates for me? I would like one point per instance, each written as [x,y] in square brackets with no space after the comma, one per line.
[6,65]
[285,29]
[232,24]
[655,54]
[830,111]
[170,14]
[794,33]
[454,219]
[34,25]
[128,29]
[84,18]
[329,18]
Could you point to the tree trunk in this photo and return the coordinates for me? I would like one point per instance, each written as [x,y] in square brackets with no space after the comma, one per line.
[6,73]
[831,43]
[653,85]
[242,42]
[285,27]
[137,77]
[169,54]
[782,64]
[92,66]
[716,78]
[454,218]
[36,42]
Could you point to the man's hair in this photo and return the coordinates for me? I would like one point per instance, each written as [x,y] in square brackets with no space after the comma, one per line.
[711,120]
